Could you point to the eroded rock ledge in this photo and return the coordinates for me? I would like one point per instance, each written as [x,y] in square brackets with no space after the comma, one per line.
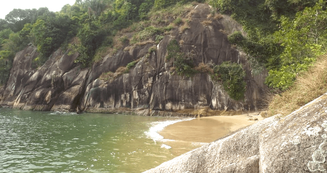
[295,143]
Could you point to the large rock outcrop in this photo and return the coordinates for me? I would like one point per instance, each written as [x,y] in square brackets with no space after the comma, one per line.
[295,143]
[151,84]
[56,84]
[61,84]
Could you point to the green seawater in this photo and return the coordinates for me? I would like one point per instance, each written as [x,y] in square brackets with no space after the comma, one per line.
[33,141]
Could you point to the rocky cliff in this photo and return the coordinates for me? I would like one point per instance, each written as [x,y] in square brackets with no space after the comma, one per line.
[295,143]
[61,84]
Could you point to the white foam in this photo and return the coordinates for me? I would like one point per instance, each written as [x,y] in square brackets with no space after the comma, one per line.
[159,126]
[62,113]
[166,146]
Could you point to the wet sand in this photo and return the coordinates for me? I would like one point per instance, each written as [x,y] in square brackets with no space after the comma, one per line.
[188,135]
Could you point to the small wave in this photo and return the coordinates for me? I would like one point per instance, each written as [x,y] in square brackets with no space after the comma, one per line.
[62,113]
[166,146]
[199,143]
[156,127]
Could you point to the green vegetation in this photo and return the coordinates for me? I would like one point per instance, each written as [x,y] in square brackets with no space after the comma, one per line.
[284,37]
[173,49]
[91,37]
[130,65]
[183,64]
[49,33]
[178,21]
[149,32]
[232,76]
[308,86]
[152,49]
[165,3]
[303,39]
[92,22]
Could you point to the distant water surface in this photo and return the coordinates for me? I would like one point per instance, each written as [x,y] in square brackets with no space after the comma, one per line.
[66,142]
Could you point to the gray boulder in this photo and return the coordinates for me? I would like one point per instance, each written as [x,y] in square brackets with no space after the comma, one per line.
[295,143]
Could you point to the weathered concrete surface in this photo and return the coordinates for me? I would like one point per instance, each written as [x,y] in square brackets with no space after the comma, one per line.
[295,143]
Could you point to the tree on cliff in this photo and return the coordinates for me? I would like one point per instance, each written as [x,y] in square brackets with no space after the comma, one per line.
[282,36]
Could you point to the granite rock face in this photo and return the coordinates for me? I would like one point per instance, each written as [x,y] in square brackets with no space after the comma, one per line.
[21,72]
[295,143]
[298,142]
[150,85]
[55,83]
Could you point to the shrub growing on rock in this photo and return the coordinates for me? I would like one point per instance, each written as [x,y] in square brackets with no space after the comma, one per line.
[232,76]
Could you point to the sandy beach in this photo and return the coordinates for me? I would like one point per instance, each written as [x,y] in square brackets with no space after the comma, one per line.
[188,135]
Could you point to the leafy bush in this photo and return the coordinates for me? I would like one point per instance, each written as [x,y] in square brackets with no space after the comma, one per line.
[204,68]
[158,38]
[91,37]
[6,58]
[152,49]
[303,39]
[262,51]
[49,33]
[165,3]
[173,49]
[145,8]
[232,75]
[308,86]
[130,65]
[285,37]
[4,34]
[124,40]
[183,64]
[177,21]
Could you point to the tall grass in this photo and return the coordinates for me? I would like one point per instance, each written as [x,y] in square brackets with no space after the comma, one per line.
[308,86]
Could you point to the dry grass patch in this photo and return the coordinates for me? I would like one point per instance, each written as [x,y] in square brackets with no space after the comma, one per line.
[223,31]
[178,21]
[145,42]
[101,53]
[110,76]
[128,48]
[209,16]
[207,22]
[181,42]
[106,76]
[172,69]
[120,70]
[308,86]
[170,13]
[184,27]
[204,68]
[218,16]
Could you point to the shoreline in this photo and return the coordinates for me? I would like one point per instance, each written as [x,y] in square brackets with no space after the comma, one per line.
[184,136]
[184,113]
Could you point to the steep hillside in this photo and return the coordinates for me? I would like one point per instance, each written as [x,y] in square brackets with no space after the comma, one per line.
[158,55]
[140,76]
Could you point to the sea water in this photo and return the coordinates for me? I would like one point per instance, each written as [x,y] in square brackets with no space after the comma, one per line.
[32,141]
